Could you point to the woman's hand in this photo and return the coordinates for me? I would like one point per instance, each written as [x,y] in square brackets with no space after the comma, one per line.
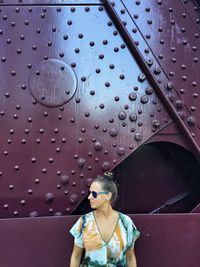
[76,256]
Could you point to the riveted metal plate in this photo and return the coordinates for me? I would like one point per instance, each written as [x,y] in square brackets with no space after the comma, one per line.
[52,82]
[61,148]
[145,47]
[49,2]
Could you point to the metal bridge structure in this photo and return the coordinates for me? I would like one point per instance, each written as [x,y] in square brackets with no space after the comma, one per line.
[88,86]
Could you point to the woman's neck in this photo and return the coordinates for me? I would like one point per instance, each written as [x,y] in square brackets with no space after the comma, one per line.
[104,211]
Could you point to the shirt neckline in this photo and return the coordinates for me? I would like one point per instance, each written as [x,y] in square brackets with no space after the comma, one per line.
[100,231]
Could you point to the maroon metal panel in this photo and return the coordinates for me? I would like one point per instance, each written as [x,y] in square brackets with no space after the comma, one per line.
[166,240]
[48,2]
[136,31]
[70,107]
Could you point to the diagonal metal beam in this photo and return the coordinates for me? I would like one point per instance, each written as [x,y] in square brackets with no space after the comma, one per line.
[156,83]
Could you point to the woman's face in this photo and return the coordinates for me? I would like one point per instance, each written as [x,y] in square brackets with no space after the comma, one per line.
[101,199]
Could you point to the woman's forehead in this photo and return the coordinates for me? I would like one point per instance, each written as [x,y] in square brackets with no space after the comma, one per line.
[95,186]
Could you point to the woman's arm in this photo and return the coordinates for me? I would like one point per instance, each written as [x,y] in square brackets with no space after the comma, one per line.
[76,256]
[130,258]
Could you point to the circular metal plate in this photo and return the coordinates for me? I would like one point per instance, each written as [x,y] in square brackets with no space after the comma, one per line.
[52,82]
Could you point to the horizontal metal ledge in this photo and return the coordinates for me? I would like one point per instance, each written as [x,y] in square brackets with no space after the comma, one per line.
[48,2]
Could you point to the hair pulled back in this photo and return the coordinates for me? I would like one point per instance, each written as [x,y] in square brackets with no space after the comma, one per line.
[108,184]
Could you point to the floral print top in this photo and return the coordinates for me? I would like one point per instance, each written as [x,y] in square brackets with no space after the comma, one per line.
[98,253]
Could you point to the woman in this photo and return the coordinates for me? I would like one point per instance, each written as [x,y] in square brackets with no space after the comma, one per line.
[106,235]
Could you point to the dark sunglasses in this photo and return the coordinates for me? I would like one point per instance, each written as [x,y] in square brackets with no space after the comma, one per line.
[95,194]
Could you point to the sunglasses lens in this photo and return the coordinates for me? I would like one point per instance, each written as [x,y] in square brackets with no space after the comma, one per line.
[94,194]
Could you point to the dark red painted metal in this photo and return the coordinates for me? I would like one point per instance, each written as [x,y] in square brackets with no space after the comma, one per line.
[166,240]
[53,144]
[163,85]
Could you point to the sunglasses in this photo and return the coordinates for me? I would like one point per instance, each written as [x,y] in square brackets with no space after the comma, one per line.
[95,194]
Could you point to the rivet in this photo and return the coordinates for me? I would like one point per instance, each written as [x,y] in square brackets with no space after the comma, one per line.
[191,120]
[113,132]
[144,99]
[132,96]
[30,191]
[50,160]
[156,123]
[126,107]
[44,170]
[80,140]
[149,62]
[57,149]
[50,210]
[6,206]
[157,70]
[193,108]
[87,9]
[87,114]
[195,95]
[63,140]
[132,117]
[96,126]
[11,131]
[169,86]
[58,186]
[122,115]
[81,162]
[179,104]
[98,146]
[73,198]
[111,120]
[194,84]
[138,136]
[105,165]
[33,214]
[101,106]
[23,202]
[141,77]
[11,186]
[49,197]
[3,59]
[64,179]
[37,181]
[121,151]
[15,213]
[16,167]
[33,159]
[92,43]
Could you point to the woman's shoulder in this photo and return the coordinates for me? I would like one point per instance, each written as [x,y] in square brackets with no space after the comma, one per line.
[87,216]
[126,219]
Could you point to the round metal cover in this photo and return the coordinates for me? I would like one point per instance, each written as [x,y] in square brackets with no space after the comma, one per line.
[52,82]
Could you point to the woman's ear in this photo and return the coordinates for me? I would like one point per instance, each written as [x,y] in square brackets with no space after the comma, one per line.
[109,195]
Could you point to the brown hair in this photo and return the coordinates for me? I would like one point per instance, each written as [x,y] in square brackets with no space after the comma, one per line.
[108,184]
